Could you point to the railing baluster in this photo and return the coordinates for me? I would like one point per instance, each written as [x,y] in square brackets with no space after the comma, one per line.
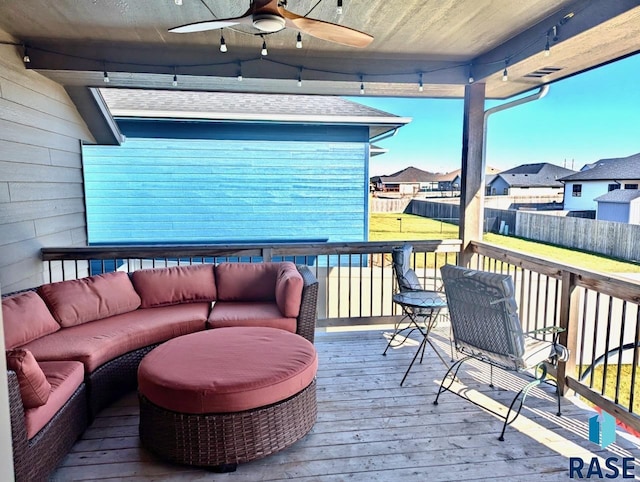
[636,360]
[620,343]
[594,340]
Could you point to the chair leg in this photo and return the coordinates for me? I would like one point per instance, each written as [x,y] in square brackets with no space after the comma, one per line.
[522,394]
[451,375]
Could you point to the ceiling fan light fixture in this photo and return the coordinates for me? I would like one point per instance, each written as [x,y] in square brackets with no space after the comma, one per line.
[267,22]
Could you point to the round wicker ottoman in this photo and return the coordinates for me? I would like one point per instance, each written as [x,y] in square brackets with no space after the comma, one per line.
[226,396]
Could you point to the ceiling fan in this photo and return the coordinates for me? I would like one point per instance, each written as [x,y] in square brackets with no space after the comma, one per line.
[269,16]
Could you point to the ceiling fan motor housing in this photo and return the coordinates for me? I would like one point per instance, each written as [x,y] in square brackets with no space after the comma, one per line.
[268,22]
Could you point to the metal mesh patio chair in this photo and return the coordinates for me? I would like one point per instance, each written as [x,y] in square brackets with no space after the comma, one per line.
[421,308]
[486,327]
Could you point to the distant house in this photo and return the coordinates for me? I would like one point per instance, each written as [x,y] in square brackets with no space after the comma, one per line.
[452,181]
[541,179]
[582,188]
[620,205]
[407,181]
[203,167]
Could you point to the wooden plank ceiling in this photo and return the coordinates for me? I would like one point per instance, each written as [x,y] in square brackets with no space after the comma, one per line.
[74,42]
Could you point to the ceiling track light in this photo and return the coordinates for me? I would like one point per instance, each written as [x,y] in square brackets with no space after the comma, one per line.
[420,84]
[264,52]
[299,41]
[25,58]
[361,85]
[339,7]
[223,44]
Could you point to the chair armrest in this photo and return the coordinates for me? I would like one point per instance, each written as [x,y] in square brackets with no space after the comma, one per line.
[18,427]
[555,330]
[309,304]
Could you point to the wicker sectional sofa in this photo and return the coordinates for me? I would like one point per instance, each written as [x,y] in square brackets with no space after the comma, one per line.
[73,347]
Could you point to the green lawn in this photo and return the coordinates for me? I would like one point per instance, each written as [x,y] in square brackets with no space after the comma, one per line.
[625,384]
[386,227]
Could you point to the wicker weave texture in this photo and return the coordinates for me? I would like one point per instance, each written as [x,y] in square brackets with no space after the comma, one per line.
[210,440]
[35,459]
[114,379]
[309,306]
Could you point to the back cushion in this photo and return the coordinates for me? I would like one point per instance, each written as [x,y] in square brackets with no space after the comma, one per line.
[87,299]
[34,387]
[289,290]
[26,317]
[247,281]
[178,284]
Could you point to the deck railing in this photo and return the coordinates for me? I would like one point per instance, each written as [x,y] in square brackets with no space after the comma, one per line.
[600,315]
[599,312]
[355,279]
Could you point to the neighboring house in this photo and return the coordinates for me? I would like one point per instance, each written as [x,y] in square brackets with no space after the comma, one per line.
[452,181]
[541,179]
[620,205]
[582,188]
[410,180]
[201,167]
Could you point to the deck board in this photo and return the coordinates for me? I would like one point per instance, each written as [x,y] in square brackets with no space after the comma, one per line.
[371,429]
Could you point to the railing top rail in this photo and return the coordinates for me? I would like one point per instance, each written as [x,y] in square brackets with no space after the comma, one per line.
[605,283]
[223,250]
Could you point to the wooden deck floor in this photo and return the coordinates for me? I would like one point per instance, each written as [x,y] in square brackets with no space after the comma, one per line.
[370,429]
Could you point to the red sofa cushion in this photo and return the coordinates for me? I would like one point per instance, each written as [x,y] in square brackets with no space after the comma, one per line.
[26,317]
[78,301]
[247,281]
[100,341]
[289,286]
[34,387]
[178,284]
[227,370]
[65,377]
[250,313]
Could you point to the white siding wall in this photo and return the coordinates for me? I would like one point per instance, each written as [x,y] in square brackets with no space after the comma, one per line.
[590,191]
[537,191]
[41,192]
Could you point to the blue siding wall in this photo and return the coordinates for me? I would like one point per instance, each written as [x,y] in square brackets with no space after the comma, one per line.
[310,183]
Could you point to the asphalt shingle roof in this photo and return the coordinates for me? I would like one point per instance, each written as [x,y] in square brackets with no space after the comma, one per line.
[541,174]
[619,196]
[231,103]
[410,174]
[610,169]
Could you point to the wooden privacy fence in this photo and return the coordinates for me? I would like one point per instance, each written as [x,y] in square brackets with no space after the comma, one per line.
[383,205]
[618,240]
[493,218]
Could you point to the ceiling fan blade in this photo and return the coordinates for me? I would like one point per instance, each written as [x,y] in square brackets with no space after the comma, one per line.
[326,30]
[212,24]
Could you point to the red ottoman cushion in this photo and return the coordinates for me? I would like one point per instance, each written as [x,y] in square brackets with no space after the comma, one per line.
[227,370]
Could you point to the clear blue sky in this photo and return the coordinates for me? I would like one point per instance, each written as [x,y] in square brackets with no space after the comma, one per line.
[590,116]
